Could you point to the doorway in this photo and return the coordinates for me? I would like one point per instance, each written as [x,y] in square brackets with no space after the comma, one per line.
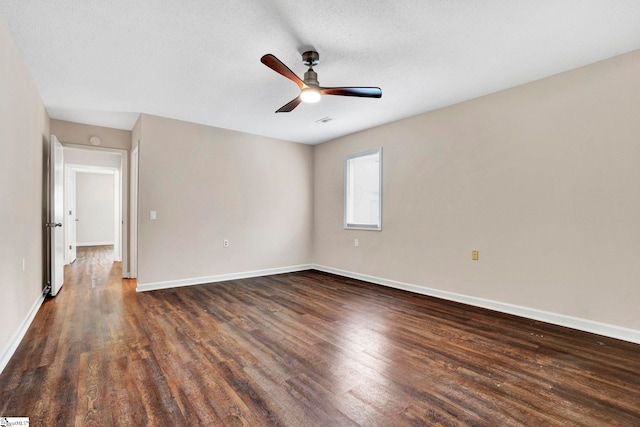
[93,211]
[95,186]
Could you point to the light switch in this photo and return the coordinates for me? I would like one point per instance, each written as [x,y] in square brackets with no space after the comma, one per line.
[152,214]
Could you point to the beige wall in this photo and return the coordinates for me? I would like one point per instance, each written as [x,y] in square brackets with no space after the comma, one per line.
[208,184]
[88,157]
[24,135]
[76,133]
[542,179]
[135,133]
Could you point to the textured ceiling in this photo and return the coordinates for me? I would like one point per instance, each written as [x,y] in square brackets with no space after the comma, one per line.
[103,62]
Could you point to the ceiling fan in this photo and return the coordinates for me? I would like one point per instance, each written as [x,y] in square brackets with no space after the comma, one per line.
[310,89]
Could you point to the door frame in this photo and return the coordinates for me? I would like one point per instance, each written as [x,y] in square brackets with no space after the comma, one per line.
[70,214]
[72,169]
[133,211]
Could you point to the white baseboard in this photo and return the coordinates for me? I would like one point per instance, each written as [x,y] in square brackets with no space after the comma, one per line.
[95,244]
[143,287]
[14,342]
[599,328]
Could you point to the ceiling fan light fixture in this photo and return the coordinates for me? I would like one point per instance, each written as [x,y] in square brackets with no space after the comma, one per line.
[310,95]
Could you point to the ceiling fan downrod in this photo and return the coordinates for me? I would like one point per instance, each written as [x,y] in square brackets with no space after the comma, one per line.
[310,59]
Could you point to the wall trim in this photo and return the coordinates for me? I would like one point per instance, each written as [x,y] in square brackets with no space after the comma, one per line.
[95,244]
[612,331]
[144,287]
[11,347]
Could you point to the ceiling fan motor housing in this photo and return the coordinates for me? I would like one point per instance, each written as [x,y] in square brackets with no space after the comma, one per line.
[310,58]
[311,78]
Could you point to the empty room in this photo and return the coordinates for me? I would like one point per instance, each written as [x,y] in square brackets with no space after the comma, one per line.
[330,213]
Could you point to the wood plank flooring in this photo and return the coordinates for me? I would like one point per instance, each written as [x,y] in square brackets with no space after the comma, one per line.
[303,349]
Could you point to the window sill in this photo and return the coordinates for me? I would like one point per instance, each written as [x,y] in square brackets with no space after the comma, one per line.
[363,227]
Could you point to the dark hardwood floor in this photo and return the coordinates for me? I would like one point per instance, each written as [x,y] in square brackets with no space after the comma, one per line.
[303,349]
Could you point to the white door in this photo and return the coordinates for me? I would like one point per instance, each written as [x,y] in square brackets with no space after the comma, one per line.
[56,214]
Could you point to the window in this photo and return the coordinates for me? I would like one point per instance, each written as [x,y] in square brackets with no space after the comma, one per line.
[363,190]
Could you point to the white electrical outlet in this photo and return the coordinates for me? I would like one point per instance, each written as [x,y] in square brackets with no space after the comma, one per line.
[356,242]
[225,243]
[152,215]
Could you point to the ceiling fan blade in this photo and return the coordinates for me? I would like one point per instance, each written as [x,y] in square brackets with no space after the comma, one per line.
[290,106]
[276,65]
[364,92]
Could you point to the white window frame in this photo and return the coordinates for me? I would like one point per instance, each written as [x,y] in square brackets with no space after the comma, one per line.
[356,226]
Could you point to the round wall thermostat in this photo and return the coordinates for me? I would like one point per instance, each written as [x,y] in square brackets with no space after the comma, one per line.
[94,140]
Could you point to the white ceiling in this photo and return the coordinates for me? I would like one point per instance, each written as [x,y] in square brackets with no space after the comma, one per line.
[103,62]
